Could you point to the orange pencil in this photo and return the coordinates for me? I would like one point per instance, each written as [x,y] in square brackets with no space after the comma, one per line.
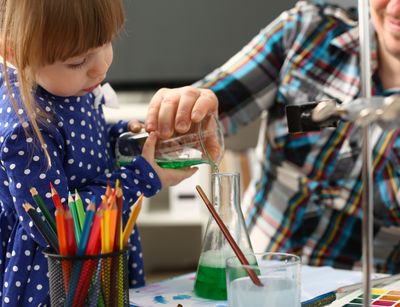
[56,197]
[113,221]
[61,231]
[108,190]
[132,219]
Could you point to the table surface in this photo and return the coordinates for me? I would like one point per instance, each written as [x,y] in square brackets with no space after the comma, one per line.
[179,290]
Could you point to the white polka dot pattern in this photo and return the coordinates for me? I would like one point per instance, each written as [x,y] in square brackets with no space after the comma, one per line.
[81,158]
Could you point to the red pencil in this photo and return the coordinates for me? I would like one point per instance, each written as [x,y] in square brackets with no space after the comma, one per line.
[94,243]
[69,226]
[56,197]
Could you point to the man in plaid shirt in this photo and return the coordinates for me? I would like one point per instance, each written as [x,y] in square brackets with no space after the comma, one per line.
[308,199]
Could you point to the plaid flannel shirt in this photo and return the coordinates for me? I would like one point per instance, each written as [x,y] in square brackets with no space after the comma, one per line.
[308,199]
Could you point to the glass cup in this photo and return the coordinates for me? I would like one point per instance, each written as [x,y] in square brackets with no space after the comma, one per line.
[279,273]
[203,143]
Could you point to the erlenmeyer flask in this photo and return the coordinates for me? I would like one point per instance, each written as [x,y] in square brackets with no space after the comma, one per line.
[211,277]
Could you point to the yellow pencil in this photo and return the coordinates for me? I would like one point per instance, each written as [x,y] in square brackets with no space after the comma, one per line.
[113,222]
[106,229]
[132,219]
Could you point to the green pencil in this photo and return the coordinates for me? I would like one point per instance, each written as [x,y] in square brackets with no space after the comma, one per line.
[77,226]
[39,201]
[79,208]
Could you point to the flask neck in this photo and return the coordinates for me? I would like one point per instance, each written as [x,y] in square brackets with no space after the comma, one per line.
[226,195]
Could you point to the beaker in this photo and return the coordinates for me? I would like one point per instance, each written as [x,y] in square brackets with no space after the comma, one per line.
[211,276]
[203,143]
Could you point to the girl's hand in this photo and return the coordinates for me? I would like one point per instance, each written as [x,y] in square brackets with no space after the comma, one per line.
[135,126]
[168,177]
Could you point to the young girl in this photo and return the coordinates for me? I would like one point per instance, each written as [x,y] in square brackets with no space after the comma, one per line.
[52,130]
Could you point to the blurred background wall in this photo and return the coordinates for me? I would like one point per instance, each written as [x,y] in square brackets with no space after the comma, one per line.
[169,42]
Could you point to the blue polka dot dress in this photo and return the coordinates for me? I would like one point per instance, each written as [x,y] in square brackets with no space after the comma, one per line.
[81,148]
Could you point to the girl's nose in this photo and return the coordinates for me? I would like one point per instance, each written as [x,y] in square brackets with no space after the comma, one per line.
[99,68]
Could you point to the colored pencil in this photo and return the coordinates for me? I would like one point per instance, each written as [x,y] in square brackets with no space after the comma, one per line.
[62,242]
[79,208]
[92,248]
[113,221]
[61,231]
[94,243]
[46,231]
[81,270]
[56,197]
[106,225]
[108,190]
[132,219]
[69,226]
[86,229]
[243,260]
[40,203]
[105,276]
[118,244]
[77,226]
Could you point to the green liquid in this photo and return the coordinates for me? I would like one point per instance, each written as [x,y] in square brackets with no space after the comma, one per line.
[210,283]
[179,163]
[171,164]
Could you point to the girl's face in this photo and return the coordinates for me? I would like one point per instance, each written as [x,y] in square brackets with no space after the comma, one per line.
[386,18]
[78,75]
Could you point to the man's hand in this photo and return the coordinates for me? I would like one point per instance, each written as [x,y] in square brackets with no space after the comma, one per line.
[175,109]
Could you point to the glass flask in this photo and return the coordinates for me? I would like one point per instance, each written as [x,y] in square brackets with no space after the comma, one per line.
[203,143]
[211,276]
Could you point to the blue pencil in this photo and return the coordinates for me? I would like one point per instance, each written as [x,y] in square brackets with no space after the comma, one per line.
[76,270]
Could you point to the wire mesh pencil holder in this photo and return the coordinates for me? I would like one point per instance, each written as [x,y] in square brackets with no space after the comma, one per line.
[100,280]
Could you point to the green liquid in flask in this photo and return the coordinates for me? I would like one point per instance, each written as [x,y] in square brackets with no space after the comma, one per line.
[211,283]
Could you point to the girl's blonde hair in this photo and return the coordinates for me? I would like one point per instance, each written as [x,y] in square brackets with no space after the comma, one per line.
[34,33]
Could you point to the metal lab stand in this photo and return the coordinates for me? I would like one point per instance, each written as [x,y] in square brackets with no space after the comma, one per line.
[364,111]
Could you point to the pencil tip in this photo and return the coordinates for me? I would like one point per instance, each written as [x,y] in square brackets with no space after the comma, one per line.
[27,206]
[33,190]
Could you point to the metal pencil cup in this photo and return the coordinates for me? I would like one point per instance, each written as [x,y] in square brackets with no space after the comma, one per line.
[100,280]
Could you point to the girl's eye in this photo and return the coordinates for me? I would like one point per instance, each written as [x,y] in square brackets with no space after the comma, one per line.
[77,65]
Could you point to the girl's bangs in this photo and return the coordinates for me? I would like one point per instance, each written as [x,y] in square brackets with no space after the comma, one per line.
[81,26]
